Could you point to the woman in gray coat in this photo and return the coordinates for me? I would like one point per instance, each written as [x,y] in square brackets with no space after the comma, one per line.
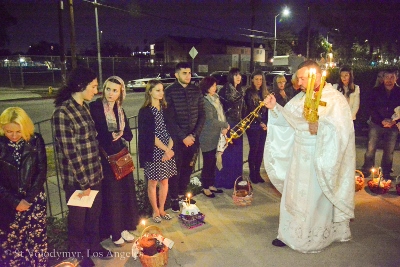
[214,125]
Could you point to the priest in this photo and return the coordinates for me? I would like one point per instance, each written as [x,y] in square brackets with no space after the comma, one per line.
[312,164]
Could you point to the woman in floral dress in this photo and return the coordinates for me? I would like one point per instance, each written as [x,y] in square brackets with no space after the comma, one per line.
[23,169]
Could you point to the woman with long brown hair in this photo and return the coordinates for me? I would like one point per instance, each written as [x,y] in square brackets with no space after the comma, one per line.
[155,148]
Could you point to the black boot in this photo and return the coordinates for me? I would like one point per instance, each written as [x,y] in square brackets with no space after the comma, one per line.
[252,172]
[257,167]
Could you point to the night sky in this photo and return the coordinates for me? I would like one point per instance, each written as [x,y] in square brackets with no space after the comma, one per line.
[147,20]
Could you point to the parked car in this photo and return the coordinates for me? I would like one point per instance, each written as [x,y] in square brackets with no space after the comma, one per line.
[140,84]
[166,78]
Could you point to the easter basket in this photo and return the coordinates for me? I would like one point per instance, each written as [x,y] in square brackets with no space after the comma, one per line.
[158,254]
[192,221]
[242,192]
[360,179]
[381,187]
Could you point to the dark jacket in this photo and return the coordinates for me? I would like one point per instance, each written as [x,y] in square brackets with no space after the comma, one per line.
[184,114]
[290,93]
[233,103]
[382,106]
[252,99]
[146,138]
[27,181]
[103,135]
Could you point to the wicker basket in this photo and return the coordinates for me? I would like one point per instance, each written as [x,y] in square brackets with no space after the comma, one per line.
[377,189]
[242,194]
[359,181]
[192,221]
[157,260]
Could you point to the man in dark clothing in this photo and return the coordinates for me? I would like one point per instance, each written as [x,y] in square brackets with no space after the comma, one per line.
[384,100]
[185,117]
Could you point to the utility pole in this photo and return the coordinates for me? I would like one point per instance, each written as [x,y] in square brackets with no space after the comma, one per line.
[253,18]
[61,37]
[308,32]
[73,36]
[98,44]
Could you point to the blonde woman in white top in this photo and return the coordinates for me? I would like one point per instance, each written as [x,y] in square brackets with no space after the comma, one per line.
[351,91]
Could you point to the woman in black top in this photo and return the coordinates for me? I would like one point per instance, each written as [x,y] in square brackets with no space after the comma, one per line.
[257,133]
[232,100]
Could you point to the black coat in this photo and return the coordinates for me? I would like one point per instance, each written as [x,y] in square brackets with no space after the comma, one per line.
[27,181]
[146,138]
[185,113]
[232,101]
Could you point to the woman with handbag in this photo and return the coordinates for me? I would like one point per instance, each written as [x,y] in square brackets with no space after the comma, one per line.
[155,148]
[23,169]
[119,210]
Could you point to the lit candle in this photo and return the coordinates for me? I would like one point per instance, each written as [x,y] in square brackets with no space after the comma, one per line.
[321,86]
[143,224]
[188,199]
[313,72]
[308,84]
[373,172]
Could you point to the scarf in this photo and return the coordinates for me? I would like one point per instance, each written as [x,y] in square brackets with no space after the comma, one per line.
[214,100]
[111,119]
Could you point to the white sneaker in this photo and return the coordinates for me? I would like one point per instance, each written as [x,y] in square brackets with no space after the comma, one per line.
[128,237]
[119,243]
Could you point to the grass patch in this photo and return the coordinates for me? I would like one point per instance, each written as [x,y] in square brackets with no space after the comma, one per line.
[51,164]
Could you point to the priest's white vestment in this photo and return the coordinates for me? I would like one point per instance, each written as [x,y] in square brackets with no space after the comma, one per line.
[314,173]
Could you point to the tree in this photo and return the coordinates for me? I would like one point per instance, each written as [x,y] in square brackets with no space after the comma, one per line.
[6,21]
[370,23]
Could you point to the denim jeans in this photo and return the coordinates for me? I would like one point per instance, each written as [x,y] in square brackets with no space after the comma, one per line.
[389,138]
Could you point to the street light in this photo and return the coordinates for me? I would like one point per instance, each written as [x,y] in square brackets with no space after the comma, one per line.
[285,13]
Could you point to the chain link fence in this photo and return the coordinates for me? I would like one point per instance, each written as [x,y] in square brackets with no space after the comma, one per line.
[26,71]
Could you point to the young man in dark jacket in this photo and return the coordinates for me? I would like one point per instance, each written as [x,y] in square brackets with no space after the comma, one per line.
[384,100]
[185,117]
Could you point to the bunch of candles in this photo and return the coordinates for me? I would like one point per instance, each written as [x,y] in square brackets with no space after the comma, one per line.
[312,100]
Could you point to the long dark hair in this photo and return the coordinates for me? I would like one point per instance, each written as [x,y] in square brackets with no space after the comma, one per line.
[264,90]
[231,75]
[351,85]
[77,81]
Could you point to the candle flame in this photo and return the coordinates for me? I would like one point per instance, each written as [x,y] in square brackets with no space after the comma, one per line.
[188,195]
[324,73]
[143,222]
[373,170]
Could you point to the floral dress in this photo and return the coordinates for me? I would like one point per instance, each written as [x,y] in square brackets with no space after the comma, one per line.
[24,243]
[158,170]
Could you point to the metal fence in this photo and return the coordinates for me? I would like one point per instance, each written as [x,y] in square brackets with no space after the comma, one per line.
[56,203]
[25,71]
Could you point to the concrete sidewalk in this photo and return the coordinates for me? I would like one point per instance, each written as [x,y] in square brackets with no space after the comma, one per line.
[241,236]
[7,93]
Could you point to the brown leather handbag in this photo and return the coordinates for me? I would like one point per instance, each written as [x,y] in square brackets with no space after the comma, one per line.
[121,163]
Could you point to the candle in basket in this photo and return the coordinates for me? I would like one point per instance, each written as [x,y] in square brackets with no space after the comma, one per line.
[188,199]
[376,180]
[143,225]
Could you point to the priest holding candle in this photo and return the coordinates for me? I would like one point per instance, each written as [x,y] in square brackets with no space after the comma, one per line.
[312,163]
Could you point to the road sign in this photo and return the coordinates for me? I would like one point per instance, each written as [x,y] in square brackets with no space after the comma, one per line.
[193,52]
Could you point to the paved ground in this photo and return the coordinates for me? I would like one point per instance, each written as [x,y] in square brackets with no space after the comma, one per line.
[241,236]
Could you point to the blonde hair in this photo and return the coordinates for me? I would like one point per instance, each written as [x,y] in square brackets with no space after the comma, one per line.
[17,115]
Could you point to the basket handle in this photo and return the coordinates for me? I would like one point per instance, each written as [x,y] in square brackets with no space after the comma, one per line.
[360,172]
[247,180]
[150,227]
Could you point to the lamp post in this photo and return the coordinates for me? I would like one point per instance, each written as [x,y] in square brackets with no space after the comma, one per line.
[285,12]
